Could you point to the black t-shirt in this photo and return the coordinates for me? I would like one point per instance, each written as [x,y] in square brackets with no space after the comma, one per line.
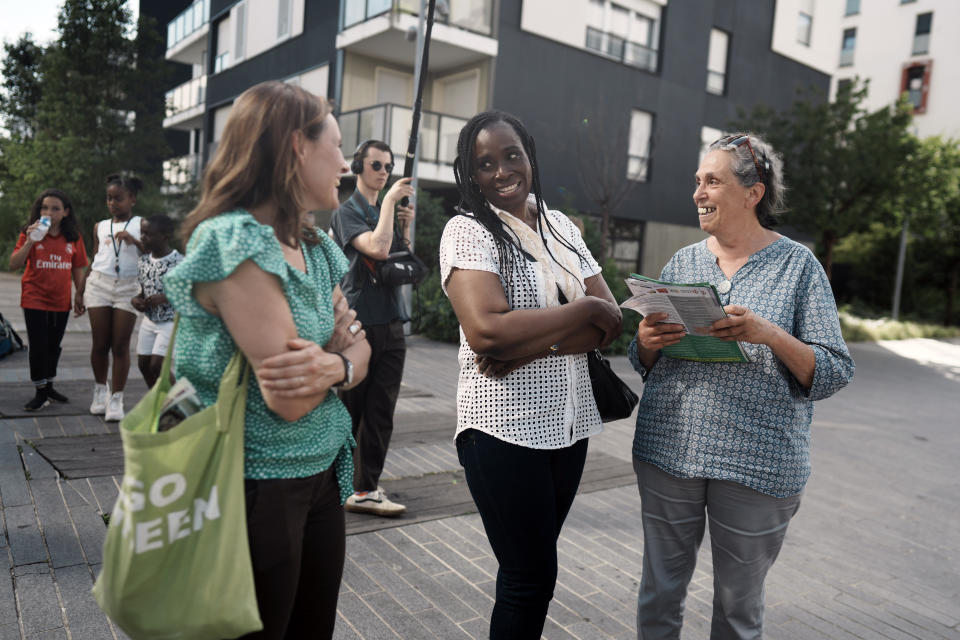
[374,304]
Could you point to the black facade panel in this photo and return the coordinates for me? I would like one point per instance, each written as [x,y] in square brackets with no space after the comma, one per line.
[565,95]
[315,46]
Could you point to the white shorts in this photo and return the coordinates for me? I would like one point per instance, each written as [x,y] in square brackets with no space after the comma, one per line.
[103,290]
[154,337]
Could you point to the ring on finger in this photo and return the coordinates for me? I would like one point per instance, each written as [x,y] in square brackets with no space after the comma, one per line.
[354,328]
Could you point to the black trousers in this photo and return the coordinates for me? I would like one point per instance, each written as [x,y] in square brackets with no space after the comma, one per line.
[372,402]
[44,333]
[297,545]
[523,496]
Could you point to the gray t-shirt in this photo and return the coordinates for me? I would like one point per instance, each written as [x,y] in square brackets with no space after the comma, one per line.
[374,304]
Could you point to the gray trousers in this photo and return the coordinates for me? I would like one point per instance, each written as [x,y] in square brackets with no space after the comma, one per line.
[746,532]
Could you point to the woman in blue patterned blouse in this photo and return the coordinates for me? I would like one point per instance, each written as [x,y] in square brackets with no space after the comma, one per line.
[732,440]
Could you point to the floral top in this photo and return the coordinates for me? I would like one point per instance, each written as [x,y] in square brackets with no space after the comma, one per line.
[747,423]
[273,447]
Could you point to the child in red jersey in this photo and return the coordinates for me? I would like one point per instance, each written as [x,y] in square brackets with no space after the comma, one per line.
[51,247]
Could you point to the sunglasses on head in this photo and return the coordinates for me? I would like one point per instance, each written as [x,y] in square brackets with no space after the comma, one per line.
[376,165]
[732,142]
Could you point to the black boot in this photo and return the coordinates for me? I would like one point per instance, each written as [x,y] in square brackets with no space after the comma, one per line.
[39,401]
[55,395]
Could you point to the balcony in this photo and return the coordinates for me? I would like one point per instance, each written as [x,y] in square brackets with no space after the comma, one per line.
[186,104]
[180,173]
[378,28]
[391,123]
[846,57]
[621,50]
[187,33]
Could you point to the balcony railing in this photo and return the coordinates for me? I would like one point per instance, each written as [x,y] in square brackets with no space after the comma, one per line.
[846,57]
[188,95]
[621,50]
[472,15]
[187,22]
[181,171]
[391,123]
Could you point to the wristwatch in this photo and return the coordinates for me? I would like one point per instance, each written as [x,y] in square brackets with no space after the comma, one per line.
[347,371]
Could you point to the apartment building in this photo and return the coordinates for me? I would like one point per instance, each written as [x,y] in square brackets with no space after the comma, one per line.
[620,95]
[903,46]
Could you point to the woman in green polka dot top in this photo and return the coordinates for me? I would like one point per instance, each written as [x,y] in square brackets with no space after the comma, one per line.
[258,278]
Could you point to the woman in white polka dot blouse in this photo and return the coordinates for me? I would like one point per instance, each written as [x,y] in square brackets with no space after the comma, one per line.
[531,302]
[732,440]
[259,278]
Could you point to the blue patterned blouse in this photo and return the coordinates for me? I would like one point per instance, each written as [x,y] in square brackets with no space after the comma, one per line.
[747,423]
[273,447]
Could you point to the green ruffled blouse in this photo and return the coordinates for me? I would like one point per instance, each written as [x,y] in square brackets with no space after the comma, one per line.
[273,447]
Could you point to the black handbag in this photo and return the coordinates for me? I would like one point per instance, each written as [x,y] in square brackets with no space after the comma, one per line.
[615,400]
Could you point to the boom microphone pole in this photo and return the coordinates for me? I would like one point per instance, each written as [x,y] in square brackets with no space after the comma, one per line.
[418,101]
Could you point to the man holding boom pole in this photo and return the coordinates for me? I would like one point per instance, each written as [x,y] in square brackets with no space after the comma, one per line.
[365,230]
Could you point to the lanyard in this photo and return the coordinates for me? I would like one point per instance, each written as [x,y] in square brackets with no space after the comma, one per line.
[117,245]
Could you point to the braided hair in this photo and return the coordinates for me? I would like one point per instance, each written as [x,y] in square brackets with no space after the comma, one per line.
[129,182]
[474,204]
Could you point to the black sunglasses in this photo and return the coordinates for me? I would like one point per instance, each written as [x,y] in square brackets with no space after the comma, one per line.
[732,142]
[376,165]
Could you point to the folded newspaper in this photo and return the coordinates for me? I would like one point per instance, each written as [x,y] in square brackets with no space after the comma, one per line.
[181,401]
[696,307]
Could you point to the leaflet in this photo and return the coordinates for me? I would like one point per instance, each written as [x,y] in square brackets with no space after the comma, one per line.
[696,306]
[181,402]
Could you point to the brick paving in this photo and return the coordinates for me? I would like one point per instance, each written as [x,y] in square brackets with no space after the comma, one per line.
[873,553]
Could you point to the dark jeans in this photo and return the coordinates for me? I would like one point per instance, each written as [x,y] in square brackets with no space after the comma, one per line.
[44,333]
[297,545]
[371,403]
[523,496]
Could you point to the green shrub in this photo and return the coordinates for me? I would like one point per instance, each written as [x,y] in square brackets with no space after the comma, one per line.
[433,316]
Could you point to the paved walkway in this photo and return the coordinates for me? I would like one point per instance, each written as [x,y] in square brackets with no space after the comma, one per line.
[873,552]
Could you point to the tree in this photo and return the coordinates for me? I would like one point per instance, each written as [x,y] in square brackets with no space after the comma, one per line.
[21,87]
[935,216]
[843,166]
[99,111]
[603,173]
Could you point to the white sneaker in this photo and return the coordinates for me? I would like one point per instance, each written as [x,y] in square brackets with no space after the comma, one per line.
[115,409]
[375,502]
[99,404]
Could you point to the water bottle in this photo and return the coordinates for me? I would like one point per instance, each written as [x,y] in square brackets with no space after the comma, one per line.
[38,234]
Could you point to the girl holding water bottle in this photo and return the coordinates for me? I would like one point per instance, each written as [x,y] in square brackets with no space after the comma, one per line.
[51,249]
[110,284]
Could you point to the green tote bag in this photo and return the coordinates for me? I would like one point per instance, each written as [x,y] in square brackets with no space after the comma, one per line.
[176,563]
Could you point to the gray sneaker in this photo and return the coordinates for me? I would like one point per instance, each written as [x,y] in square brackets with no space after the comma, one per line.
[374,502]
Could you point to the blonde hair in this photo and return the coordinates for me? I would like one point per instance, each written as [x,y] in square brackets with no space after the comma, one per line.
[255,161]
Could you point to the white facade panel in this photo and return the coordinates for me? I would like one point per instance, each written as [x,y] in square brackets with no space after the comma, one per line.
[824,48]
[885,42]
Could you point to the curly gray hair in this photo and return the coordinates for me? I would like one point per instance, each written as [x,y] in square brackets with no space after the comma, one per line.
[769,162]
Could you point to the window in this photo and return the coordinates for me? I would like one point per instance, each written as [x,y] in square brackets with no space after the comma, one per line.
[921,34]
[844,85]
[847,47]
[717,62]
[240,40]
[853,7]
[805,22]
[623,34]
[916,83]
[284,18]
[708,135]
[638,154]
[222,59]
